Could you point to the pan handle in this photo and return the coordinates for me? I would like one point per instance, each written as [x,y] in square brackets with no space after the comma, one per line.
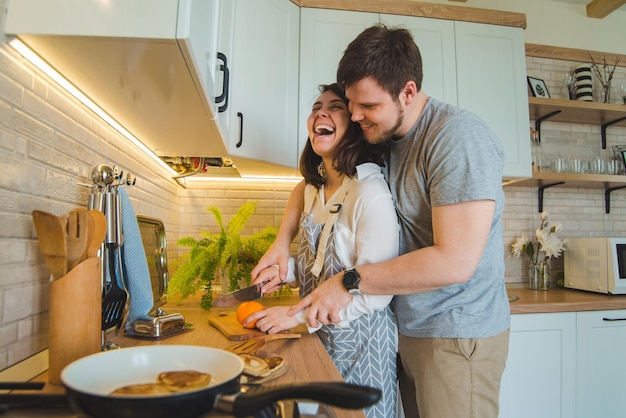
[343,395]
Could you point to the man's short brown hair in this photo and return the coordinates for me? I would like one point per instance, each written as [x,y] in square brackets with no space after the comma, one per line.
[389,55]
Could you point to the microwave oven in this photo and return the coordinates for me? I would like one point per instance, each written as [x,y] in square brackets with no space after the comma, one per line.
[596,264]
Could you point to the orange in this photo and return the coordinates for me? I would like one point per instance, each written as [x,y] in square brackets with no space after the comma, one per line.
[246,309]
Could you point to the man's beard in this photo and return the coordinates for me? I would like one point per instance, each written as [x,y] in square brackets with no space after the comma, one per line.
[385,136]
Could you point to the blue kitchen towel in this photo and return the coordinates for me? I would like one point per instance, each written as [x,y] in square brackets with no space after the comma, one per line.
[137,274]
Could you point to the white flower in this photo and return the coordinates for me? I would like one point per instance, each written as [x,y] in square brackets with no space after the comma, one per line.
[552,246]
[556,228]
[518,246]
[547,241]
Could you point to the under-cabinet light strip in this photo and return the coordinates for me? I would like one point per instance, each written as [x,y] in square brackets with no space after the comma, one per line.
[248,179]
[31,56]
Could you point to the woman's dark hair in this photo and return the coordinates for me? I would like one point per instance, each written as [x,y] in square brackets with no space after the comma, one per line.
[351,150]
[389,55]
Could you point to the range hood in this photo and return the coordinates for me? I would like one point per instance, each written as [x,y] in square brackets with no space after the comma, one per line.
[136,61]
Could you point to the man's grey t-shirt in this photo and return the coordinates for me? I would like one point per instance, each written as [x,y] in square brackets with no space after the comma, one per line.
[450,156]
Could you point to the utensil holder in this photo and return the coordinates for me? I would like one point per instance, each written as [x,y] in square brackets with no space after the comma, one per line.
[75,316]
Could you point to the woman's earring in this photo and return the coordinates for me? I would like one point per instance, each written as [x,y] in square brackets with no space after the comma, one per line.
[321,170]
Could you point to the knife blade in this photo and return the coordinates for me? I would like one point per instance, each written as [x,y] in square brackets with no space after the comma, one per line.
[243,295]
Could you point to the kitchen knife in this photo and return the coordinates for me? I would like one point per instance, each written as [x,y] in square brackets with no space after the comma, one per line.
[248,293]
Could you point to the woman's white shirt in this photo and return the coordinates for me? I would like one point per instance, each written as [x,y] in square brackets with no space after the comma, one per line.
[366,231]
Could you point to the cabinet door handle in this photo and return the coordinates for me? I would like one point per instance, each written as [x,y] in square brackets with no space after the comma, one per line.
[614,319]
[224,96]
[240,116]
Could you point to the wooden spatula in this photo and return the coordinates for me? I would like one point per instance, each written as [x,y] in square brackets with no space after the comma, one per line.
[77,232]
[51,234]
[97,232]
[254,344]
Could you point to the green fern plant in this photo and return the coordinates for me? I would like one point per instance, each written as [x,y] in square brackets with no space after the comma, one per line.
[225,257]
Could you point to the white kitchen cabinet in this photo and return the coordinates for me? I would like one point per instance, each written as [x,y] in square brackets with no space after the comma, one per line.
[197,28]
[435,39]
[324,35]
[154,67]
[540,378]
[491,77]
[260,41]
[474,66]
[147,64]
[601,364]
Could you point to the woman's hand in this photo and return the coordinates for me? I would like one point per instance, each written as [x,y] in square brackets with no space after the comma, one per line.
[271,278]
[273,320]
[276,256]
[278,252]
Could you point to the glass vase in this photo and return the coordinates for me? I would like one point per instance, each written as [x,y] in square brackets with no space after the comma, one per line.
[533,276]
[543,272]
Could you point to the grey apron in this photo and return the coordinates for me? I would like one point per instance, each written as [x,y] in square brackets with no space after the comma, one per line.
[365,351]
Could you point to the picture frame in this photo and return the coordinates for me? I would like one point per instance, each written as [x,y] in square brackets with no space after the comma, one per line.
[538,87]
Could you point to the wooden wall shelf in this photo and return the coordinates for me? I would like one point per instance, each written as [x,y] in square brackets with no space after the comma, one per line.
[571,180]
[574,111]
[546,180]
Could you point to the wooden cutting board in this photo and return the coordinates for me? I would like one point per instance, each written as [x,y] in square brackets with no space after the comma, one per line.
[228,325]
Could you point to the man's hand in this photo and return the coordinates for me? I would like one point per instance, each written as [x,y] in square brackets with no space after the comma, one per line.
[324,303]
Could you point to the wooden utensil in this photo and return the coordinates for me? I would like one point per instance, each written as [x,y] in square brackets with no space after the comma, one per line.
[255,344]
[77,232]
[51,234]
[97,232]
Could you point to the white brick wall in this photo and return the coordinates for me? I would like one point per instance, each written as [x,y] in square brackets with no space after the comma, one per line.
[48,140]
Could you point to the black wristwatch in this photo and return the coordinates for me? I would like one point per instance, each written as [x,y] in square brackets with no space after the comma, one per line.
[350,281]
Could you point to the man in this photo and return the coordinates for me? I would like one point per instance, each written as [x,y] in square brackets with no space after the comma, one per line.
[445,171]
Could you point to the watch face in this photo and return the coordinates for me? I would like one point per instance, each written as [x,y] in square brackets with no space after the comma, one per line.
[351,279]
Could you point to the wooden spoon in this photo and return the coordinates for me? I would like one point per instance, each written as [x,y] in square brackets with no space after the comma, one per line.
[77,232]
[51,234]
[97,232]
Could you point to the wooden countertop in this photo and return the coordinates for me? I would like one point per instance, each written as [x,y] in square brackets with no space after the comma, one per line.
[305,357]
[562,300]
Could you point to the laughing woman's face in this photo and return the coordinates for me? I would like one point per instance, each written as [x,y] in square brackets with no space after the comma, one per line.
[327,123]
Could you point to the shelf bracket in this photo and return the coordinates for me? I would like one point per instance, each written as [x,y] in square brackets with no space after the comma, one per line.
[607,198]
[603,130]
[541,119]
[540,193]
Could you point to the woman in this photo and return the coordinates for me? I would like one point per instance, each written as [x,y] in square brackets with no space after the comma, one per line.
[348,219]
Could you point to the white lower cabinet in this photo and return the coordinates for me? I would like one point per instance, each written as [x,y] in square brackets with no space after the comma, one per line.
[601,364]
[539,379]
[565,365]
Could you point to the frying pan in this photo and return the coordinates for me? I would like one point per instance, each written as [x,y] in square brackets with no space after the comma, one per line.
[90,380]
